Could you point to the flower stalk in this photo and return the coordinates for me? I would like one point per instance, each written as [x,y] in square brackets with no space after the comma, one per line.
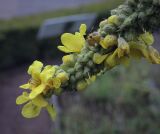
[125,35]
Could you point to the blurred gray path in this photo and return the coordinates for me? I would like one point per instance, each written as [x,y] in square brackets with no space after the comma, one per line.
[13,8]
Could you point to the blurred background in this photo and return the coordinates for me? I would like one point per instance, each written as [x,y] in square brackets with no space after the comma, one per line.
[123,101]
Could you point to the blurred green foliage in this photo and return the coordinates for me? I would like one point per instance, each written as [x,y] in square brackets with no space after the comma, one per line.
[123,101]
[18,42]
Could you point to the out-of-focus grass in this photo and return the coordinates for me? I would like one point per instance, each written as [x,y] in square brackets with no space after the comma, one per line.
[123,101]
[36,20]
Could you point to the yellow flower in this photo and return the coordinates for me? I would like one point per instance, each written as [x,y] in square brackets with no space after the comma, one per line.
[73,43]
[108,41]
[147,38]
[41,80]
[98,58]
[123,47]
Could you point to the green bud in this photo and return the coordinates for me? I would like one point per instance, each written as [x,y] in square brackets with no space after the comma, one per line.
[103,34]
[79,75]
[141,15]
[82,85]
[78,67]
[85,59]
[71,71]
[90,64]
[72,79]
[86,71]
[114,12]
[109,29]
[103,23]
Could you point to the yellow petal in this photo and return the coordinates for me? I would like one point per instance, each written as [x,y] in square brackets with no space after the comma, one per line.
[142,48]
[112,60]
[36,91]
[123,47]
[109,40]
[47,73]
[64,49]
[40,101]
[22,98]
[103,44]
[147,38]
[30,110]
[83,29]
[35,67]
[154,55]
[52,112]
[73,43]
[25,86]
[98,58]
[68,59]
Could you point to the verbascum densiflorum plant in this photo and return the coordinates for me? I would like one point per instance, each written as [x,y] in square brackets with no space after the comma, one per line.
[127,34]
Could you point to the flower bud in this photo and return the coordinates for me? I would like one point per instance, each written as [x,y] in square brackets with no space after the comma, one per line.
[78,75]
[90,64]
[72,79]
[103,23]
[86,70]
[147,38]
[114,19]
[109,40]
[71,71]
[63,76]
[109,28]
[68,59]
[123,47]
[82,85]
[78,67]
[91,79]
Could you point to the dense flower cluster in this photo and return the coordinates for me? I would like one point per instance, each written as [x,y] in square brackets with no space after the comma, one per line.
[125,35]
